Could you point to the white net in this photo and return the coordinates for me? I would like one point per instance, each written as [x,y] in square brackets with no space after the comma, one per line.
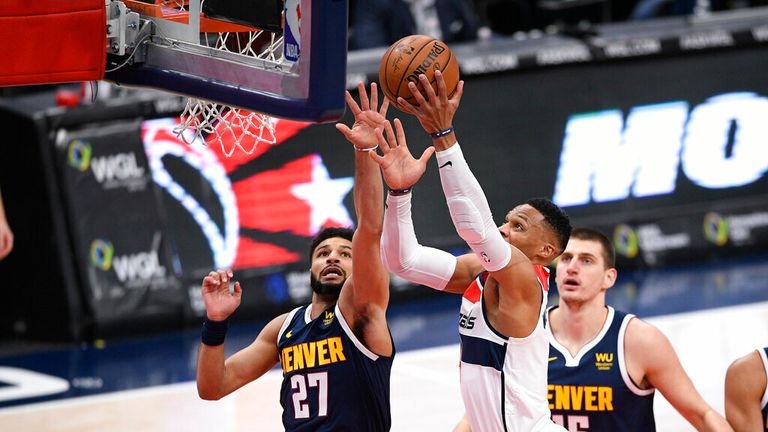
[232,128]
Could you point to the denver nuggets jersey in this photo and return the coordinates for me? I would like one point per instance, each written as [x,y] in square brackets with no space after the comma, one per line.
[503,379]
[764,401]
[331,381]
[593,391]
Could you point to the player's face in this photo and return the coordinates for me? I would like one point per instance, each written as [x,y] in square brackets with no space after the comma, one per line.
[524,229]
[581,273]
[331,265]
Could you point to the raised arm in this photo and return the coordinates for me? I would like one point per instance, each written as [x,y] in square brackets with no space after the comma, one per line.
[403,255]
[652,362]
[216,377]
[365,296]
[469,207]
[745,383]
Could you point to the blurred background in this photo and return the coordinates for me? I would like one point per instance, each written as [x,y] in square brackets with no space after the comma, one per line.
[645,119]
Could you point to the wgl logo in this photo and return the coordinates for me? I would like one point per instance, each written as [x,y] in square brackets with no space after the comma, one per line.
[121,166]
[130,267]
[138,266]
[721,144]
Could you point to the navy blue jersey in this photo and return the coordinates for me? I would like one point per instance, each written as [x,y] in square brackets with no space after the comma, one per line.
[331,381]
[593,391]
[764,401]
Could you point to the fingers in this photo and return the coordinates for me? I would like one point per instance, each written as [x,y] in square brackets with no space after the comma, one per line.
[416,93]
[383,144]
[427,87]
[400,133]
[384,107]
[459,92]
[238,291]
[374,97]
[393,141]
[406,106]
[218,279]
[351,103]
[381,160]
[427,154]
[345,130]
[442,90]
[363,96]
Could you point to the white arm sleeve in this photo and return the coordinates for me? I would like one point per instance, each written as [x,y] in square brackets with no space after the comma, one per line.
[404,256]
[469,209]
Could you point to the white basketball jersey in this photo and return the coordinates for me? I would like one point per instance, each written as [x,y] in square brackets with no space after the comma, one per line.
[503,379]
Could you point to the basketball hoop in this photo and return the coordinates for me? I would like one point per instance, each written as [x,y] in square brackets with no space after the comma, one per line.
[238,64]
[206,121]
[231,127]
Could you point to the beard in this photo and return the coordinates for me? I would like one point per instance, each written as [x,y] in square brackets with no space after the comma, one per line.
[323,289]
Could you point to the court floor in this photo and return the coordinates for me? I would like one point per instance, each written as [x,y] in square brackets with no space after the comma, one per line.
[147,385]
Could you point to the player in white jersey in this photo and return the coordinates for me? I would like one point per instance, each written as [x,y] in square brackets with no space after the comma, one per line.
[496,370]
[504,347]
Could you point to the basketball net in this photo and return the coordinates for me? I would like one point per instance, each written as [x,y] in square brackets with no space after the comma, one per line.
[231,127]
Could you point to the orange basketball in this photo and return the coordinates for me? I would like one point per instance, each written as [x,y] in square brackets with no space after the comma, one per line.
[411,56]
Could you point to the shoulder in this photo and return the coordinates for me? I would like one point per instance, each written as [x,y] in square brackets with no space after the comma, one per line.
[643,331]
[272,329]
[747,371]
[643,340]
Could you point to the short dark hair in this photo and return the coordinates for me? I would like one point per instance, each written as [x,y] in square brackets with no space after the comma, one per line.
[330,232]
[609,253]
[557,219]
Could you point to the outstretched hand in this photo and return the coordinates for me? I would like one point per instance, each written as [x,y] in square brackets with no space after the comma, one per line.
[368,117]
[434,111]
[219,302]
[401,170]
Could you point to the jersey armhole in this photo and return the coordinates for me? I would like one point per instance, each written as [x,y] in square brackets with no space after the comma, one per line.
[351,335]
[623,364]
[286,323]
[764,357]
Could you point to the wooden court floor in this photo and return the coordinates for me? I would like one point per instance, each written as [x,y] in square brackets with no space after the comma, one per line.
[425,389]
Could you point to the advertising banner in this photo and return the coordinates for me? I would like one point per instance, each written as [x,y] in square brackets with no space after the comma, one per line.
[128,276]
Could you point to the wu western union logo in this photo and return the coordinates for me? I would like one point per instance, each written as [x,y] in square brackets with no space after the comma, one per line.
[603,361]
[580,398]
[310,354]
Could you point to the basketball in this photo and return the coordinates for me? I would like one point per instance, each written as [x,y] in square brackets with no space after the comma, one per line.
[411,56]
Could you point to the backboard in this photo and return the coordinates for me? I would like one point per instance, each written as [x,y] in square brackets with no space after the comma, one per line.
[233,56]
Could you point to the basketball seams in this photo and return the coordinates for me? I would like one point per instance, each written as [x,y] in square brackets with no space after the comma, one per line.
[434,80]
[384,66]
[450,58]
[423,46]
[408,68]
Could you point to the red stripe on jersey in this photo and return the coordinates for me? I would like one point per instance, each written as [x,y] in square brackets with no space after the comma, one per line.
[473,292]
[543,274]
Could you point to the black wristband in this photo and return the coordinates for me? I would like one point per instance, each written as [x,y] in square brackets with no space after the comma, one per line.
[214,332]
[398,192]
[441,133]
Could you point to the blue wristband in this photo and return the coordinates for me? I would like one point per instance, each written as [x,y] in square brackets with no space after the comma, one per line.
[441,133]
[214,332]
[398,192]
